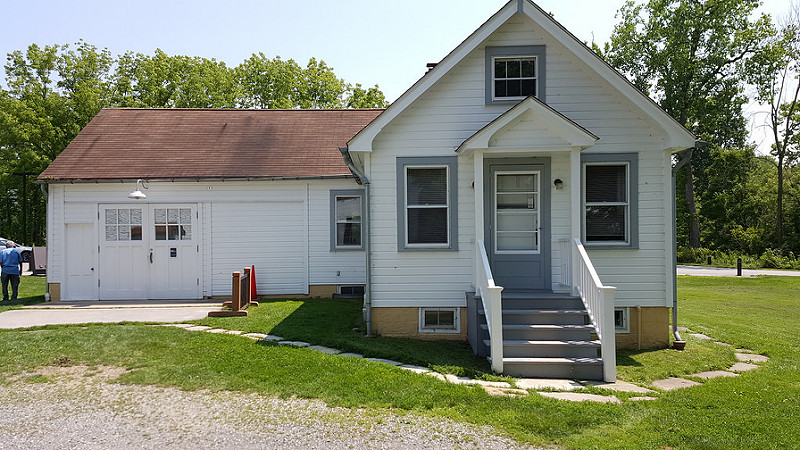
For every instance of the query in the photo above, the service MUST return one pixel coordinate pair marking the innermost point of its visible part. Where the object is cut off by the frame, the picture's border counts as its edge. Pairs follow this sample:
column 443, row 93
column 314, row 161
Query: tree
column 163, row 81
column 688, row 55
column 775, row 73
column 54, row 91
column 275, row 83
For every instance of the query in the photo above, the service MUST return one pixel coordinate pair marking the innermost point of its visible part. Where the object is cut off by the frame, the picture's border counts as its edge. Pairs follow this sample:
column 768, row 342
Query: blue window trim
column 451, row 163
column 346, row 193
column 537, row 51
column 632, row 161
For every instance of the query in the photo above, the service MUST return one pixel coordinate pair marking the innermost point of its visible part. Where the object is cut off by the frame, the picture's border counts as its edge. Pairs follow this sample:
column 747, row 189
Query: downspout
column 44, row 189
column 685, row 156
column 361, row 178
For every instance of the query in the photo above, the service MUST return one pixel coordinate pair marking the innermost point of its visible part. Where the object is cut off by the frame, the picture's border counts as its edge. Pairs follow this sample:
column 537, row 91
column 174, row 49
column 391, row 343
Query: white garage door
column 149, row 252
column 272, row 236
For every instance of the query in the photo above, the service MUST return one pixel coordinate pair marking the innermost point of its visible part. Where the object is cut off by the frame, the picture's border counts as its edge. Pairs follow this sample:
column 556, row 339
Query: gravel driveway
column 76, row 407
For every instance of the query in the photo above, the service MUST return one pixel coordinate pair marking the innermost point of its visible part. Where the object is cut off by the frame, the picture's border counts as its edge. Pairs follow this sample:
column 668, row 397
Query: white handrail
column 491, row 298
column 599, row 302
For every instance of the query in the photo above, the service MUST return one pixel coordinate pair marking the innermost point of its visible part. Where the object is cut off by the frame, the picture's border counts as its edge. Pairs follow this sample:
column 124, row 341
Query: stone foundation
column 404, row 322
column 649, row 328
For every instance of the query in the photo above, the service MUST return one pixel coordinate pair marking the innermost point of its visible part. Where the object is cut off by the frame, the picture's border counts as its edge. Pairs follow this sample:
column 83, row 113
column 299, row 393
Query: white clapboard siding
column 453, row 109
column 327, row 266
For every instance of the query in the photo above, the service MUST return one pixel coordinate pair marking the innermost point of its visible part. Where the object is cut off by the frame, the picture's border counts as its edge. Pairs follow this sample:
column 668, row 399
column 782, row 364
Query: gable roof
column 209, row 144
column 677, row 134
column 554, row 129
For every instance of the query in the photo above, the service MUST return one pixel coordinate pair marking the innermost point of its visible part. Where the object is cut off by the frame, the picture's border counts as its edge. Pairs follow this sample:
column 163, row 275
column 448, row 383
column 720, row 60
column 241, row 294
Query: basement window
column 439, row 320
column 621, row 320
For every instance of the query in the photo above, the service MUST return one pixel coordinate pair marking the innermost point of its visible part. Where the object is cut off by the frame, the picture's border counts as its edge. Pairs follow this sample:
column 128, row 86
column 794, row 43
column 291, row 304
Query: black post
column 24, row 176
column 738, row 267
column 709, row 260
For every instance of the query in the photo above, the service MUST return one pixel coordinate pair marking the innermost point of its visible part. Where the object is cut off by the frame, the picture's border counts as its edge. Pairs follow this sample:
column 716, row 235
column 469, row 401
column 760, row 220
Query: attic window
column 514, row 73
column 514, row 77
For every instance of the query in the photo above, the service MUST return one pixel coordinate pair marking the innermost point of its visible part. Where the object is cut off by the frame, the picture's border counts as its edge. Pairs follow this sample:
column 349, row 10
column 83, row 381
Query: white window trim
column 335, row 194
column 446, row 206
column 626, row 321
column 626, row 204
column 515, row 51
column 449, row 163
column 535, row 78
column 630, row 161
column 537, row 209
column 455, row 329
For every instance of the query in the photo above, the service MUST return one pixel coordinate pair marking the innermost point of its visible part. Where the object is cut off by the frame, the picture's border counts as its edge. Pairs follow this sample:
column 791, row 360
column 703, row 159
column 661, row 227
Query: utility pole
column 24, row 176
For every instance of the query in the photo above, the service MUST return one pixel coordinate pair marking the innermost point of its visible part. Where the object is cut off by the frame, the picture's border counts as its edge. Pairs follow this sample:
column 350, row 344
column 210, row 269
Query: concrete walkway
column 701, row 271
column 57, row 313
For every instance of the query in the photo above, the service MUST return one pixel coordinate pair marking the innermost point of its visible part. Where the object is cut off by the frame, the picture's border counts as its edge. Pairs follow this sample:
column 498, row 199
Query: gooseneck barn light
column 138, row 194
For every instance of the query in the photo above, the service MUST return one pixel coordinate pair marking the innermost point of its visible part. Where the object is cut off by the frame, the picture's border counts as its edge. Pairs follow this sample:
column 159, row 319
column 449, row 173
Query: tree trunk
column 694, row 223
column 779, row 222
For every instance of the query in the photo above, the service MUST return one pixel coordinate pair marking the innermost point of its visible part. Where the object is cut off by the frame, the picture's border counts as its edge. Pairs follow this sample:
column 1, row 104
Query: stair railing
column 491, row 298
column 599, row 302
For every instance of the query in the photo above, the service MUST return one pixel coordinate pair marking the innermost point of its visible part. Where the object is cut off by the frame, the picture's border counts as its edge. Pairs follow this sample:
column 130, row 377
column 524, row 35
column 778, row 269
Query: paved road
column 56, row 313
column 727, row 272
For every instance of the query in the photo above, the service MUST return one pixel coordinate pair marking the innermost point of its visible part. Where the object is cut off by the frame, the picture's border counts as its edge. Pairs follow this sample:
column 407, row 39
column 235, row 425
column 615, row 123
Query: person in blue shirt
column 12, row 268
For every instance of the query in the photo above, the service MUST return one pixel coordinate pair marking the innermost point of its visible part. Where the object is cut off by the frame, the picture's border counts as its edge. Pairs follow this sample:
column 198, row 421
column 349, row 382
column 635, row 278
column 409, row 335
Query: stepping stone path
column 670, row 384
column 524, row 386
column 745, row 364
column 576, row 397
column 715, row 374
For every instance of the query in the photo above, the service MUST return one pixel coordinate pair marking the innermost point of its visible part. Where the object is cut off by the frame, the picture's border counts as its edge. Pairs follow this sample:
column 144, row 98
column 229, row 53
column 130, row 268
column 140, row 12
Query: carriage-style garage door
column 149, row 252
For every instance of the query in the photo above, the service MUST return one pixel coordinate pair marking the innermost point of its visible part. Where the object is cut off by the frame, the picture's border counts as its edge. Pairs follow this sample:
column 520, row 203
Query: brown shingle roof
column 209, row 143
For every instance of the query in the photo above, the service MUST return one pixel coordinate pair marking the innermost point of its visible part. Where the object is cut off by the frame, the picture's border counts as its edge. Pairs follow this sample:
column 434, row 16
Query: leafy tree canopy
column 52, row 92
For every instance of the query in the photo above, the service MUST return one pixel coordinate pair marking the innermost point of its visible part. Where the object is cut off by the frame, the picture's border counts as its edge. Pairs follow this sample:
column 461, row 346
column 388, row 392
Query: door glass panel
column 516, row 212
column 111, row 232
column 517, row 241
column 173, row 215
column 161, row 232
column 172, row 224
column 160, row 215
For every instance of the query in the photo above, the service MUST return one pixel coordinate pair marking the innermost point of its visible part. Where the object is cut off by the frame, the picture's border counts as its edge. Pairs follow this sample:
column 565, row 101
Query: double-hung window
column 609, row 200
column 347, row 219
column 514, row 72
column 426, row 200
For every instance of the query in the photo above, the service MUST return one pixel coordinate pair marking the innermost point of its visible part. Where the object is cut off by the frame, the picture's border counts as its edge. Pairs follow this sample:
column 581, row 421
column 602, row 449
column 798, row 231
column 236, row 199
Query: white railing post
column 491, row 298
column 608, row 345
column 599, row 302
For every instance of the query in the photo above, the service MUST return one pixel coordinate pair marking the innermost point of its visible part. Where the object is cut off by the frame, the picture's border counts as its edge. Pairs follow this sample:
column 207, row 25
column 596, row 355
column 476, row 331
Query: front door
column 149, row 252
column 517, row 236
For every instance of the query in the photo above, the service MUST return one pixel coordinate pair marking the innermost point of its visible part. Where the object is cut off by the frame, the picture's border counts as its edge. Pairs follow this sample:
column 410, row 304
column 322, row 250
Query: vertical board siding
column 269, row 235
column 281, row 227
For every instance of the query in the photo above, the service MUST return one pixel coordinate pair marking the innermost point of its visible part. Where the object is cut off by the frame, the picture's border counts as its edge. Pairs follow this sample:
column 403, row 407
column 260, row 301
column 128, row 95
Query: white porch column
column 575, row 205
column 477, row 189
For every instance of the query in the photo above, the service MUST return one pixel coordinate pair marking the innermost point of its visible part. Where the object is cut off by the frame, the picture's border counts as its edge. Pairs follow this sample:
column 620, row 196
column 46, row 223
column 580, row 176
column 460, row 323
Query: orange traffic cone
column 253, row 292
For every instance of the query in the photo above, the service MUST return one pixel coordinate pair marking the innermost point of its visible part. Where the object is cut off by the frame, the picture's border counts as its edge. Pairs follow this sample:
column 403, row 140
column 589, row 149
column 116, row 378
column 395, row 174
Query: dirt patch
column 77, row 406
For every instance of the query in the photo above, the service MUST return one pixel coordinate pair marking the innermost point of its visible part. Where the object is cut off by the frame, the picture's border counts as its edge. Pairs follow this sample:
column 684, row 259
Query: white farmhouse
column 498, row 200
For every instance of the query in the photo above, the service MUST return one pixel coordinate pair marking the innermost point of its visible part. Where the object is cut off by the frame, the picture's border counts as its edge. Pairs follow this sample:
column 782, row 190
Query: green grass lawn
column 31, row 291
column 759, row 409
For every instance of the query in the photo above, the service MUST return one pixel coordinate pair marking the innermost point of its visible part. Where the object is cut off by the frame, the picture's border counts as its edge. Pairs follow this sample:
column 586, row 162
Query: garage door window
column 173, row 224
column 123, row 224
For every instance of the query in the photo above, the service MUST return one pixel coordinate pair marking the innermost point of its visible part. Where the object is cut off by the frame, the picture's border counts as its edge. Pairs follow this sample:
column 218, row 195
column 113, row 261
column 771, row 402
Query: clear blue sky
column 366, row 41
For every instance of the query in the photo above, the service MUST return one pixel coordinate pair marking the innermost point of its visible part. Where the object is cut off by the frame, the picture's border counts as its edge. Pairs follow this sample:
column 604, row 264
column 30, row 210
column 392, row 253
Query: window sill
column 598, row 246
